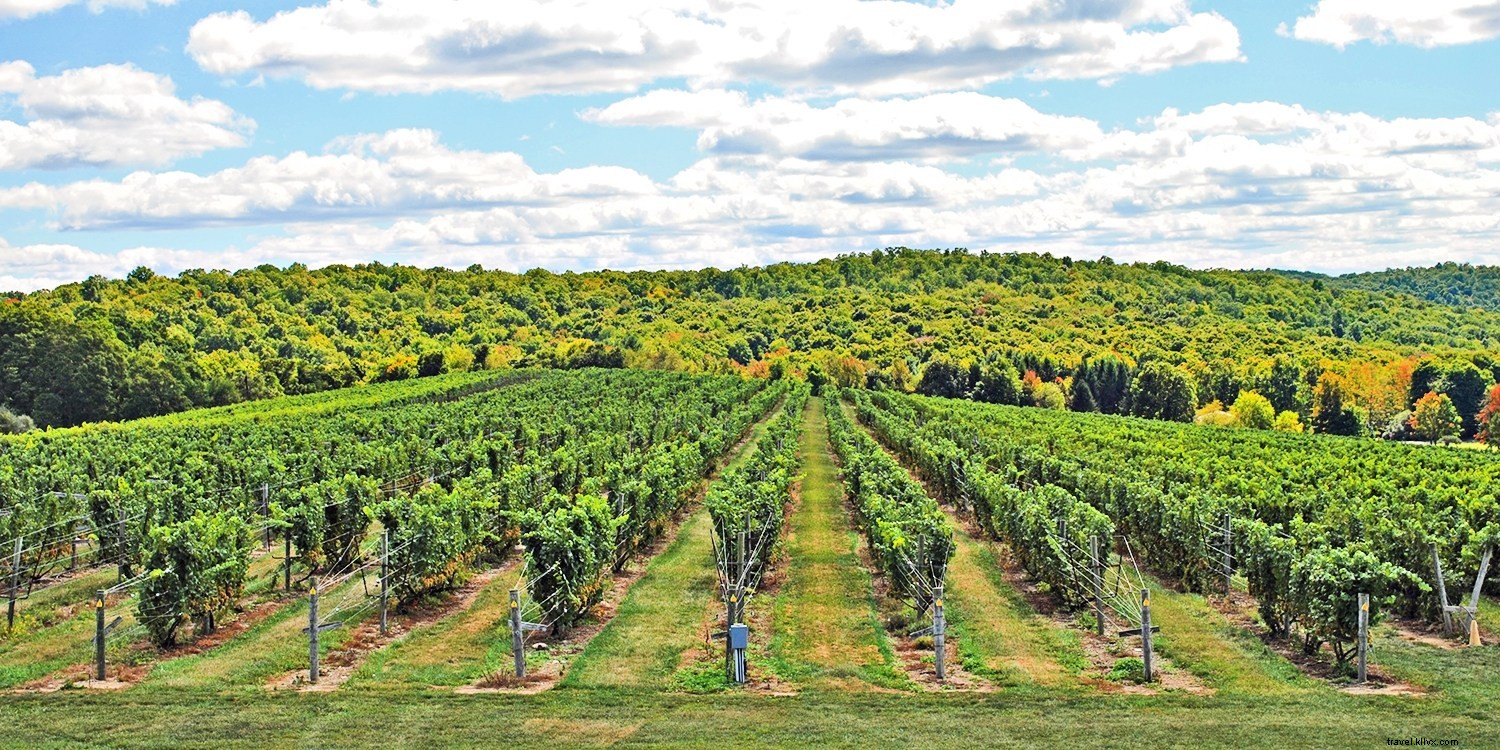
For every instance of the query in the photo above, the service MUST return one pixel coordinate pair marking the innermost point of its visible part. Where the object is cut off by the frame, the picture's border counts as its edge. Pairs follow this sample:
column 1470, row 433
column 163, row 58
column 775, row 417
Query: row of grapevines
column 1300, row 573
column 477, row 463
column 573, row 538
column 751, row 499
column 909, row 536
column 1044, row 524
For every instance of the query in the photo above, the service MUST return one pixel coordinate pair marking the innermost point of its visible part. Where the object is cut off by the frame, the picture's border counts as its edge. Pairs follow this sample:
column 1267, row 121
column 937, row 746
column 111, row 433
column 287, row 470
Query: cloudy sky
column 1335, row 135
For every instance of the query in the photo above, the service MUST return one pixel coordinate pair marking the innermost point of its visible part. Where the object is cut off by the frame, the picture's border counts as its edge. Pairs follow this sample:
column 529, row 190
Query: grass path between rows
column 1000, row 637
column 1200, row 639
column 456, row 650
column 826, row 629
column 271, row 647
column 68, row 638
column 659, row 619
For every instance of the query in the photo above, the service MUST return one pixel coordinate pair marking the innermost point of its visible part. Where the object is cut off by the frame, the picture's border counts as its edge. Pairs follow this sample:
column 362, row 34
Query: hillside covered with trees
column 1342, row 355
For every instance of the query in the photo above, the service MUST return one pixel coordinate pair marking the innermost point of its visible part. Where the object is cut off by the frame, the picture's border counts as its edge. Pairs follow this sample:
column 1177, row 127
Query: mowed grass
column 56, row 631
column 271, row 647
column 658, row 620
column 1198, row 638
column 1000, row 637
column 827, row 634
column 824, row 720
column 660, row 617
column 456, row 650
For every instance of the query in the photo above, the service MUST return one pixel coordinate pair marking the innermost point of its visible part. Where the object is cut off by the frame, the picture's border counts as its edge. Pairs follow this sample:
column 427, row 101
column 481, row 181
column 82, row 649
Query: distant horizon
column 687, row 269
column 1330, row 136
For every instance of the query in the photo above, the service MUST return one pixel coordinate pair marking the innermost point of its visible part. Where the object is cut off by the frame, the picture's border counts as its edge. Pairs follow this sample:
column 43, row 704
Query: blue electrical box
column 739, row 637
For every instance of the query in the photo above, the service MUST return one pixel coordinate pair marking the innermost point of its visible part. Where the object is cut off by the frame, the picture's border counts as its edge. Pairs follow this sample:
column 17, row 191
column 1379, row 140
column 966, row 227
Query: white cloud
column 110, row 115
column 952, row 125
column 394, row 172
column 29, row 8
column 1429, row 23
column 1247, row 184
column 527, row 47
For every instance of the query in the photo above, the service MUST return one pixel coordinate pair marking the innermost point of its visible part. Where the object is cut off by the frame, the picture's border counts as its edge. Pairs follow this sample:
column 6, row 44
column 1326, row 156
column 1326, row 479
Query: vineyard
column 573, row 544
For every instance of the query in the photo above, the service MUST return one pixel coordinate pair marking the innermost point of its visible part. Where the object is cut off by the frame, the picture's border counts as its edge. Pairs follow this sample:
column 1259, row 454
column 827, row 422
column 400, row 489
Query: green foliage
column 194, row 569
column 752, row 497
column 14, row 424
column 943, row 378
column 1333, row 407
column 1160, row 391
column 1325, row 584
column 570, row 542
column 904, row 526
column 433, row 535
column 1128, row 669
column 1168, row 487
column 106, row 349
column 1287, row 421
column 1254, row 411
column 326, row 520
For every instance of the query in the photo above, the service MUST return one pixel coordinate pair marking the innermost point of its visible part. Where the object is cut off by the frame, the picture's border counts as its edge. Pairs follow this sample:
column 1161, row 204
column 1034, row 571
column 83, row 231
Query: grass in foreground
column 659, row 619
column 826, row 627
column 601, row 718
column 1196, row 637
column 999, row 637
column 458, row 649
column 273, row 646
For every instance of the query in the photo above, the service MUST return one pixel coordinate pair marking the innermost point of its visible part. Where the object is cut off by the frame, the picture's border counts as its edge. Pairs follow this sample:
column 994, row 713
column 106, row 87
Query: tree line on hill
column 1346, row 355
column 1425, row 398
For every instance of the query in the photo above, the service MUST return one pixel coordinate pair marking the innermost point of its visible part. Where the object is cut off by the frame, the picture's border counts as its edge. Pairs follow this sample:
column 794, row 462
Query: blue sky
column 1337, row 135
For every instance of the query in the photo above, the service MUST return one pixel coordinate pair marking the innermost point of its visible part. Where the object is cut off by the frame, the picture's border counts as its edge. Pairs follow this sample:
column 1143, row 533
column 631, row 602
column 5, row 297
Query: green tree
column 998, row 383
column 943, row 378
column 1333, row 407
column 1283, row 385
column 1083, row 397
column 1161, row 391
column 1435, row 416
column 1287, row 421
column 1465, row 384
column 1254, row 411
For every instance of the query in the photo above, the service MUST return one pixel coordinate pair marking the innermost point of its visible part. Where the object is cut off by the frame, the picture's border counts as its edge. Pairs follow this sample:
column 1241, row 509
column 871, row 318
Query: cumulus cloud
column 527, row 47
column 110, row 115
column 29, row 8
column 1431, row 23
column 952, row 125
column 394, row 172
column 1241, row 184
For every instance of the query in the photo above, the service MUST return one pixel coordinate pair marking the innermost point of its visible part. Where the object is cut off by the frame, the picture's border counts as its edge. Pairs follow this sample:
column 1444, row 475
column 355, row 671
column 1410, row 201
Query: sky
column 1332, row 136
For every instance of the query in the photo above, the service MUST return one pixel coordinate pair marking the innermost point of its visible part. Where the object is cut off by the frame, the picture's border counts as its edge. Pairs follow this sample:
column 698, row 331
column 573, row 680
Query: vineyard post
column 1364, row 634
column 1228, row 555
column 287, row 558
column 517, row 640
column 729, row 622
column 312, row 630
column 1437, row 566
column 1473, row 610
column 265, row 509
column 1146, row 632
column 385, row 547
column 73, row 561
column 15, row 585
column 1096, row 568
column 99, row 635
column 938, row 623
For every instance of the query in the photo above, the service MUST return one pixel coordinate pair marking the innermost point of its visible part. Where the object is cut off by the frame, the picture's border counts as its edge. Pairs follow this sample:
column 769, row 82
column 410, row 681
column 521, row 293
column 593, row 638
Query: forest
column 1343, row 355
